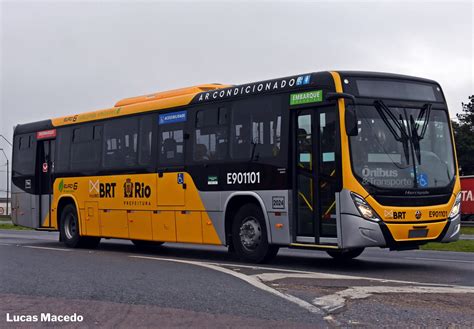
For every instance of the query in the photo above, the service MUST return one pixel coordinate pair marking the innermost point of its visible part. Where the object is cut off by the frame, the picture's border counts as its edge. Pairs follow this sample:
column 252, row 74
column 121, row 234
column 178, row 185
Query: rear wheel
column 69, row 230
column 249, row 235
column 345, row 254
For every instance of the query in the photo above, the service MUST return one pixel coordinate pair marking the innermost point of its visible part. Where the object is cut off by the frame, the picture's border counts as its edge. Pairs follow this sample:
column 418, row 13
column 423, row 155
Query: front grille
column 412, row 201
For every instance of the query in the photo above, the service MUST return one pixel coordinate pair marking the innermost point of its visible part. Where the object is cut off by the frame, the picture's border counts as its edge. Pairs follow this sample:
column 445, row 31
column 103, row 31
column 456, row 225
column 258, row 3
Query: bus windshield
column 408, row 148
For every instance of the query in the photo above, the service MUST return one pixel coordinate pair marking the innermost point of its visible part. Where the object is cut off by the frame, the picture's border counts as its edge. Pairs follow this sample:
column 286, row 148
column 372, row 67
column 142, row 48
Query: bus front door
column 315, row 175
column 45, row 170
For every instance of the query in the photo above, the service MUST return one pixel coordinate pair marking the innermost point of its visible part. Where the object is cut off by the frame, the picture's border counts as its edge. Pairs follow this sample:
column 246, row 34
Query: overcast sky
column 66, row 57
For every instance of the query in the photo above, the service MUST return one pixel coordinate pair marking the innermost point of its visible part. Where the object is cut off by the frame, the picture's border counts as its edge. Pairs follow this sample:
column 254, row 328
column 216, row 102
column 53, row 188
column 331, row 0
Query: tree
column 464, row 137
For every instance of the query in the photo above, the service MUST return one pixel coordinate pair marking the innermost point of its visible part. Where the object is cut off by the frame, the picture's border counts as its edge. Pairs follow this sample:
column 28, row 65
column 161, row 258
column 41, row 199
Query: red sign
column 46, row 134
column 467, row 200
column 45, row 167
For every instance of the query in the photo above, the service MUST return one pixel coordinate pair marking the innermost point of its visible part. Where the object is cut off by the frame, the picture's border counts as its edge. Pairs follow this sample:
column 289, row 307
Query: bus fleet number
column 243, row 178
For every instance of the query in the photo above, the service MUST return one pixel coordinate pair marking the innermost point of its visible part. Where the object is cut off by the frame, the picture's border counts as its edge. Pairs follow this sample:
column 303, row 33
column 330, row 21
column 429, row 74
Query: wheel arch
column 235, row 201
column 63, row 201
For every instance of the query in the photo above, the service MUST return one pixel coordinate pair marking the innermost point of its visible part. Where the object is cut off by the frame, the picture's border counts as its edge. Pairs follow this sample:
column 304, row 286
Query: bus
column 333, row 161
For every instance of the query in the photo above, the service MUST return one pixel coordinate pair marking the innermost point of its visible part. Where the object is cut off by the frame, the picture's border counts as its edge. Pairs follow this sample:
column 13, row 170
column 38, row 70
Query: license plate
column 420, row 233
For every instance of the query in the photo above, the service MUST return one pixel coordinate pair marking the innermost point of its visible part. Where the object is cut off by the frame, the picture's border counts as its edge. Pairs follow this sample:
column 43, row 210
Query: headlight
column 456, row 206
column 364, row 208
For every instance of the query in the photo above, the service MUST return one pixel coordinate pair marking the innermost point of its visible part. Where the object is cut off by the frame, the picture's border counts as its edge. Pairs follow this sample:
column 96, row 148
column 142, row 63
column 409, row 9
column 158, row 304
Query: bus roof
column 200, row 94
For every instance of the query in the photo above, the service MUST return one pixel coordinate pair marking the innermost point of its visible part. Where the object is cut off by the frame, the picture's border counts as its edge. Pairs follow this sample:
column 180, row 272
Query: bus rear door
column 44, row 173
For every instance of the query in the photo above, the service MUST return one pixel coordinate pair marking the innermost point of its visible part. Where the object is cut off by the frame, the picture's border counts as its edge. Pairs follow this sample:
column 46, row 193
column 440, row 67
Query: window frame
column 195, row 125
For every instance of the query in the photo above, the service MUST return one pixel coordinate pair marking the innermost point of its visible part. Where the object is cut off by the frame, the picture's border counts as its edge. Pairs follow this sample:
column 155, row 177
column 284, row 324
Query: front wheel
column 249, row 235
column 345, row 254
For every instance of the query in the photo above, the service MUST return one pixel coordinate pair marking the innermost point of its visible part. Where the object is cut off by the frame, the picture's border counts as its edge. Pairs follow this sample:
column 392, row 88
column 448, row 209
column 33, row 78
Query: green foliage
column 7, row 226
column 460, row 245
column 467, row 230
column 464, row 137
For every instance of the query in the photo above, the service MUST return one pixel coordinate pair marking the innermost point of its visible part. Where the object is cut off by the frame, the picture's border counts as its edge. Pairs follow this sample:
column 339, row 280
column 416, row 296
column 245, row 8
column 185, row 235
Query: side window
column 210, row 135
column 120, row 143
column 145, row 140
column 327, row 136
column 63, row 142
column 172, row 145
column 25, row 142
column 171, row 138
column 305, row 144
column 256, row 128
column 85, row 148
column 24, row 154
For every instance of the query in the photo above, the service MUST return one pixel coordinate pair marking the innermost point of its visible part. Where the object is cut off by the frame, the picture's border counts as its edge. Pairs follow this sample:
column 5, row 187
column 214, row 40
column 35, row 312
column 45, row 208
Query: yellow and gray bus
column 335, row 161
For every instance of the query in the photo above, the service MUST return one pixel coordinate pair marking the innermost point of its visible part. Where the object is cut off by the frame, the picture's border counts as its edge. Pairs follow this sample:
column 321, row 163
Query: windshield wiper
column 416, row 138
column 383, row 111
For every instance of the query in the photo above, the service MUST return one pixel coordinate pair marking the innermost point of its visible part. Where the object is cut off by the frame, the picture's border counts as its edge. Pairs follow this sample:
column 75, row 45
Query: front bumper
column 358, row 232
column 453, row 230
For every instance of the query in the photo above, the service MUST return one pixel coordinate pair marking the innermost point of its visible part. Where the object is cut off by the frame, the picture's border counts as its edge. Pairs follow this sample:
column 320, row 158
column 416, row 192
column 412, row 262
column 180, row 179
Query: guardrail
column 467, row 224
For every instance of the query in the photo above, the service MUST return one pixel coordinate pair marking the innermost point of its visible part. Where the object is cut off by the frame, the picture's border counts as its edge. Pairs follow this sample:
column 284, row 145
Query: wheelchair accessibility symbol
column 423, row 180
column 180, row 178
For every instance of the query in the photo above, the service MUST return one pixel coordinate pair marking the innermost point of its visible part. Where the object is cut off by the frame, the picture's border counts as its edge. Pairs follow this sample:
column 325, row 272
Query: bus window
column 145, row 140
column 210, row 139
column 327, row 138
column 305, row 145
column 85, row 148
column 24, row 156
column 171, row 144
column 256, row 128
column 120, row 143
column 63, row 144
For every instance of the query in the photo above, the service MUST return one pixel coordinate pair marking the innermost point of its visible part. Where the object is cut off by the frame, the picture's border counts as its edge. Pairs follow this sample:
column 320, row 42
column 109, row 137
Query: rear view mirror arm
column 330, row 96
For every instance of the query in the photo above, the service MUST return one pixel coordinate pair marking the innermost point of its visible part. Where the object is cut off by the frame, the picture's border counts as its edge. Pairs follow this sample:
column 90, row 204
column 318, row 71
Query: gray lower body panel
column 359, row 232
column 24, row 208
column 454, row 230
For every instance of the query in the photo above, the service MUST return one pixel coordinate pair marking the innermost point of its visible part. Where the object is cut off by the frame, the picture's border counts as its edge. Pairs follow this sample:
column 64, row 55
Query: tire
column 69, row 230
column 345, row 254
column 146, row 244
column 249, row 235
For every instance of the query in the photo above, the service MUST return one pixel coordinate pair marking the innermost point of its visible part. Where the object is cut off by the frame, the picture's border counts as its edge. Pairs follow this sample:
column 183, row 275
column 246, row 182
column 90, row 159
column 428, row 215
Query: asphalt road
column 201, row 286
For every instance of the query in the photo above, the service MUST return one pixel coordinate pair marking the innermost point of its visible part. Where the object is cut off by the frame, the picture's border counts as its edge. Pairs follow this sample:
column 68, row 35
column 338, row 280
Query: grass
column 6, row 226
column 467, row 230
column 460, row 245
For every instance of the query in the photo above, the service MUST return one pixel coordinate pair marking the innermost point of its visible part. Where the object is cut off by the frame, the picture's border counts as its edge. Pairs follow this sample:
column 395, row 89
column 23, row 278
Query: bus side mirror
column 350, row 120
column 350, row 115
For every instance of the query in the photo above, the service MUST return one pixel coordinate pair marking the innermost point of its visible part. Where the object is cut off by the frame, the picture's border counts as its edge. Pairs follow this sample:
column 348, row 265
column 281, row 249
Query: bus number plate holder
column 417, row 233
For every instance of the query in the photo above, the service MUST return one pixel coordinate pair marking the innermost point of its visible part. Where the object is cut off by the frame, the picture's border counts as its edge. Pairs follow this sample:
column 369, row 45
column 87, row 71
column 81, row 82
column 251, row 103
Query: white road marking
column 4, row 244
column 313, row 275
column 47, row 248
column 326, row 304
column 336, row 301
column 249, row 279
column 441, row 260
column 318, row 275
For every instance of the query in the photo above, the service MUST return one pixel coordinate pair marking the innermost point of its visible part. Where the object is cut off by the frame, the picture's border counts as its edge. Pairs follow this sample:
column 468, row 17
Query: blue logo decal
column 307, row 79
column 180, row 178
column 174, row 117
column 423, row 180
column 299, row 81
